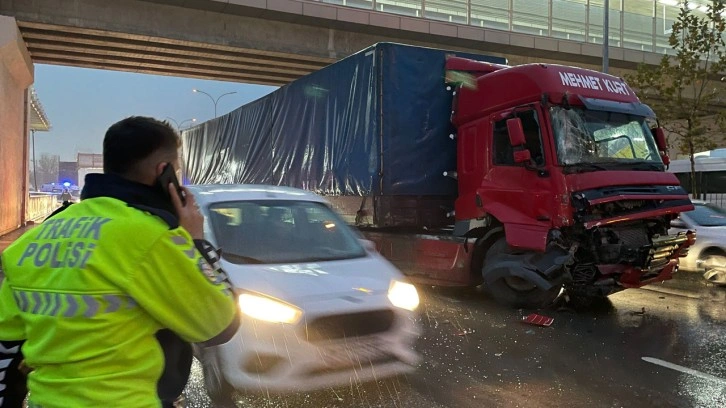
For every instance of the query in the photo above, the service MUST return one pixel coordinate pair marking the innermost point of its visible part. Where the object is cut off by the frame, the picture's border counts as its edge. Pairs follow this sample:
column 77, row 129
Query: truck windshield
column 281, row 231
column 600, row 140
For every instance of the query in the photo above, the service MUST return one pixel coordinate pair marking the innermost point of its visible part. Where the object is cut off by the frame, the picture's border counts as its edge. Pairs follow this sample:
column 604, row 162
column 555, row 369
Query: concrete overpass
column 257, row 41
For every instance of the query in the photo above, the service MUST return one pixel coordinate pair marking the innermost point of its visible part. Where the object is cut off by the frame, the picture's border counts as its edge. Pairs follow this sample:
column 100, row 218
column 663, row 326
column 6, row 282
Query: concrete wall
column 16, row 75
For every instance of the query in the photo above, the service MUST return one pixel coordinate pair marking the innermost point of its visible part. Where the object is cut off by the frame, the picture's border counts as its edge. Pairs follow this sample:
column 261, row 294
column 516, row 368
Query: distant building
column 68, row 172
column 90, row 160
column 711, row 153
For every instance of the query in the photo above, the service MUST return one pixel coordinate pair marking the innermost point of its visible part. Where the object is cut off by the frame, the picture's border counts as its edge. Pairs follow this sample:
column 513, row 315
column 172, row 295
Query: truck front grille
column 634, row 236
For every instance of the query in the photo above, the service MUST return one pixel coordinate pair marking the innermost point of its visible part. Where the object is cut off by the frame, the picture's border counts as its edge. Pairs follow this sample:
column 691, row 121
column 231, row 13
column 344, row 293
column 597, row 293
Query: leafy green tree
column 685, row 88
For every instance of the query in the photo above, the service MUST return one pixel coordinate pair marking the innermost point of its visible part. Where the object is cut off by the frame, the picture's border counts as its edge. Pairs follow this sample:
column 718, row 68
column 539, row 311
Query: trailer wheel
column 515, row 291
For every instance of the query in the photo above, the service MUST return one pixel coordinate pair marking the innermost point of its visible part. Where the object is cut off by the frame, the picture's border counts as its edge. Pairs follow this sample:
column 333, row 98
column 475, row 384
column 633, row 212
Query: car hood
column 709, row 232
column 310, row 281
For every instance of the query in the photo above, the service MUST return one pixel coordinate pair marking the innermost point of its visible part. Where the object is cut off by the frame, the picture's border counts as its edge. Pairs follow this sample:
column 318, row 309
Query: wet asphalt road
column 661, row 346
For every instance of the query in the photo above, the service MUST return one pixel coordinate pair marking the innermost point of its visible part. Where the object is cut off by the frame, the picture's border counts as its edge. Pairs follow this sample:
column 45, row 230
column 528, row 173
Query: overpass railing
column 643, row 25
column 40, row 205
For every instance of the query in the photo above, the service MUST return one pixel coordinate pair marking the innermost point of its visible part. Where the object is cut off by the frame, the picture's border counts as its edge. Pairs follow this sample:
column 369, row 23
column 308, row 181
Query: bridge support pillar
column 16, row 76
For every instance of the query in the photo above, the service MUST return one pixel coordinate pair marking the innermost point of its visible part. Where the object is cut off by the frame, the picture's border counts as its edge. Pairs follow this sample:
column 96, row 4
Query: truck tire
column 515, row 291
column 580, row 301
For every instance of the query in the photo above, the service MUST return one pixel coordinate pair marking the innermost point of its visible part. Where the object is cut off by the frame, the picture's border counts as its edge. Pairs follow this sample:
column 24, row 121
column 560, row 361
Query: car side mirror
column 369, row 245
column 678, row 223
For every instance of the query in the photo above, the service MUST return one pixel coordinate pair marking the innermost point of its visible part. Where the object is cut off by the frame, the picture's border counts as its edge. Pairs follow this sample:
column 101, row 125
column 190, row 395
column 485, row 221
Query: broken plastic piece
column 716, row 276
column 538, row 320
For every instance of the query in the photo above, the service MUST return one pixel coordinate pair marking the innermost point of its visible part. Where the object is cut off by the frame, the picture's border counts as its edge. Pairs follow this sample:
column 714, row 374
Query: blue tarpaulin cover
column 374, row 123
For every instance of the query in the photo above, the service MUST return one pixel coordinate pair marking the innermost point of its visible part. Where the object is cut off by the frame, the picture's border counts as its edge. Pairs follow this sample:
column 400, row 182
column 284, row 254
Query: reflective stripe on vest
column 70, row 305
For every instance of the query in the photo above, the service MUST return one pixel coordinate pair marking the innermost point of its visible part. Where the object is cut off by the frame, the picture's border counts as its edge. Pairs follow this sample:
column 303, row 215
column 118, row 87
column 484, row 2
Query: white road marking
column 684, row 369
column 674, row 292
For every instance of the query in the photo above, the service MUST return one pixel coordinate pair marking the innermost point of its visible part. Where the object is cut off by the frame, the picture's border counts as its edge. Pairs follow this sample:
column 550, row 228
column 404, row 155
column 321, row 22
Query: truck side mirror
column 660, row 141
column 517, row 140
column 522, row 156
column 516, row 133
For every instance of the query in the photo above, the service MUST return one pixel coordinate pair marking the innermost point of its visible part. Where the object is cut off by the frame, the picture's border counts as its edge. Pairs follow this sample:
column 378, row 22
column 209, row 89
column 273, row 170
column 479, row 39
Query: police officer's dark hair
column 133, row 139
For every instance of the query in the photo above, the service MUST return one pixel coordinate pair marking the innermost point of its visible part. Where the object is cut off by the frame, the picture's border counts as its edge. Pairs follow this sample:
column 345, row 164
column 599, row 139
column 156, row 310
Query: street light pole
column 213, row 100
column 178, row 124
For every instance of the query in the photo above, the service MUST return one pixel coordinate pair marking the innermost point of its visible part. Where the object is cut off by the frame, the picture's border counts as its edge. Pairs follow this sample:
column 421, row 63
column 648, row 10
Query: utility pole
column 606, row 37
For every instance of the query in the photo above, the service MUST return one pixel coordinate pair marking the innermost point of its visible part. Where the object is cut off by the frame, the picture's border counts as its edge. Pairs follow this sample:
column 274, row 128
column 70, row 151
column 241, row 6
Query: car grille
column 348, row 325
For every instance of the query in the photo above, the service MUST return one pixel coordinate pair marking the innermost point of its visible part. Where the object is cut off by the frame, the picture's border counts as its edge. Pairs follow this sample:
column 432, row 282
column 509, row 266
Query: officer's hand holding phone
column 190, row 217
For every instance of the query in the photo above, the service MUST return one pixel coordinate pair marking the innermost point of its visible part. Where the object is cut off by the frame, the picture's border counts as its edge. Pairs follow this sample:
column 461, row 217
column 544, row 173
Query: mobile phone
column 168, row 175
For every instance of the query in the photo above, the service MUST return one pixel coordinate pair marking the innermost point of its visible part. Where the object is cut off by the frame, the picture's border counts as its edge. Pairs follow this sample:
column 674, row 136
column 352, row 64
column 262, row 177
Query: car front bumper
column 282, row 358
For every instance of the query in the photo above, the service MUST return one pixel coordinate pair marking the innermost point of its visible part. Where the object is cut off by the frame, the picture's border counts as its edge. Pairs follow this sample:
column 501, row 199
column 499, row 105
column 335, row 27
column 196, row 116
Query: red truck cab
column 561, row 181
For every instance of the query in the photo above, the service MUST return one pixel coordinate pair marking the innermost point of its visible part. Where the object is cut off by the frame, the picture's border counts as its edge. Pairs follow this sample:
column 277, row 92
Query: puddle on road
column 390, row 393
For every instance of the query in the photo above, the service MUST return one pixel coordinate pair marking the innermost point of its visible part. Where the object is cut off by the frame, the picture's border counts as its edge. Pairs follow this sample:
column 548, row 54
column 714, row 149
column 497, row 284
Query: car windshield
column 282, row 231
column 707, row 215
column 602, row 139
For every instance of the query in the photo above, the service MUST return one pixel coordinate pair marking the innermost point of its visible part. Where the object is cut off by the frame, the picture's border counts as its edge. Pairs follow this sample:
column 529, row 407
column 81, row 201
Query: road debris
column 538, row 320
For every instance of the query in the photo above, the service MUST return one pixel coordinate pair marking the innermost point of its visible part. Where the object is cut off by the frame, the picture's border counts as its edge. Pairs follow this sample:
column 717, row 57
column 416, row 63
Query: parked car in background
column 320, row 307
column 709, row 251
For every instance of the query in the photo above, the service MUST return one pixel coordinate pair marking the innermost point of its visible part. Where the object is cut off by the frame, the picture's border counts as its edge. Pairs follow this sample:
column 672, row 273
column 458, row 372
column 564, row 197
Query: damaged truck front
column 573, row 192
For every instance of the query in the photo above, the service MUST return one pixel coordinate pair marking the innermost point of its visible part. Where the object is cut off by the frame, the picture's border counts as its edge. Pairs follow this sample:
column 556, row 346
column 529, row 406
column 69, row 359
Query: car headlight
column 403, row 295
column 268, row 309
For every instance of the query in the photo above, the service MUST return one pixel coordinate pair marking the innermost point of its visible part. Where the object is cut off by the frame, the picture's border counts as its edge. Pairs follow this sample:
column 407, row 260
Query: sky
column 82, row 103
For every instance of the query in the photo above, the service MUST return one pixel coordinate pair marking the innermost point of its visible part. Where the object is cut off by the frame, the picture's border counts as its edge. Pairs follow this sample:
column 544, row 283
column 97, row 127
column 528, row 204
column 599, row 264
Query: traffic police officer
column 89, row 289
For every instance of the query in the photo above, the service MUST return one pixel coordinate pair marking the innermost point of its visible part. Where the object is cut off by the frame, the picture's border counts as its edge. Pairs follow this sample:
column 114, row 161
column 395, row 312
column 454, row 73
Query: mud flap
column 546, row 270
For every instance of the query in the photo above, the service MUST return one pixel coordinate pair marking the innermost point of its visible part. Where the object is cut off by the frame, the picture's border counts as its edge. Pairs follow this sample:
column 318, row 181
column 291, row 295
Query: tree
column 47, row 168
column 684, row 88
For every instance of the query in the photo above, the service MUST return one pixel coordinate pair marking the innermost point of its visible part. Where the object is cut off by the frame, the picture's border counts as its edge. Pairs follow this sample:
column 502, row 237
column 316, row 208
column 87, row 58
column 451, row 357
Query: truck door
column 519, row 195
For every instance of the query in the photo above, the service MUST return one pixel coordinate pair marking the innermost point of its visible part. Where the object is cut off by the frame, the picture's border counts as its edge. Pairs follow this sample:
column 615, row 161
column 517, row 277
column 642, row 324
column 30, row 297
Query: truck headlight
column 403, row 295
column 268, row 309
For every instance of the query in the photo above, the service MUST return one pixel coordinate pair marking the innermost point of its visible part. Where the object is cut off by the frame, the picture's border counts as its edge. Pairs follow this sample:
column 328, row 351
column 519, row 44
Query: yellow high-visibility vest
column 90, row 287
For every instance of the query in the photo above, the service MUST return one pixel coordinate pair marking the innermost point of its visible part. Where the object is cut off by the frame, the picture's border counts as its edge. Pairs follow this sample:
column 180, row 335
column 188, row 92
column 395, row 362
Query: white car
column 320, row 307
column 708, row 254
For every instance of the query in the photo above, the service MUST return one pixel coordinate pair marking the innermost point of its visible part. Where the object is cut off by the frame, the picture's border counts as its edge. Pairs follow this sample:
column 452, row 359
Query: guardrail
column 642, row 25
column 40, row 205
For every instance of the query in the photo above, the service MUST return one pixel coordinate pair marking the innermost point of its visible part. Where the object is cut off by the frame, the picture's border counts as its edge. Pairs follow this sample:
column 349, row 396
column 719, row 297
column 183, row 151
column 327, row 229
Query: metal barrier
column 717, row 199
column 40, row 205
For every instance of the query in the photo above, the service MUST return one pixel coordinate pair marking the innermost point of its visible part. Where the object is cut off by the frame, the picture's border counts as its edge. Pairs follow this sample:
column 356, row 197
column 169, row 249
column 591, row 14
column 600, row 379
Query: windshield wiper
column 649, row 166
column 583, row 167
column 235, row 258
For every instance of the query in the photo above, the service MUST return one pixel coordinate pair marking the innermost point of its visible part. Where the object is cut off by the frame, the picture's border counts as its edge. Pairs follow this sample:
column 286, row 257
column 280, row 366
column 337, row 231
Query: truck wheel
column 580, row 301
column 218, row 389
column 515, row 291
